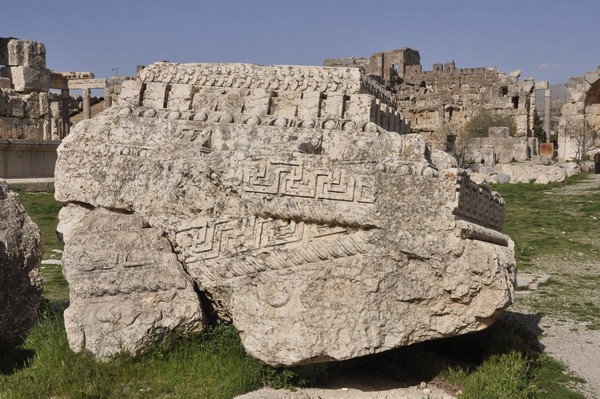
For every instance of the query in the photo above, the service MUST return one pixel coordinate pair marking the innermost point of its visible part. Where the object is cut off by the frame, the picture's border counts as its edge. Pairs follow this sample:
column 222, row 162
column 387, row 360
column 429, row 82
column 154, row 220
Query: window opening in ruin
column 503, row 91
column 450, row 110
column 515, row 102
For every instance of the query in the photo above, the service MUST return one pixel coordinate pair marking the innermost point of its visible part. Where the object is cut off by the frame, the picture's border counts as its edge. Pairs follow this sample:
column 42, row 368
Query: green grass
column 544, row 223
column 566, row 298
column 212, row 366
column 503, row 361
column 500, row 362
column 43, row 209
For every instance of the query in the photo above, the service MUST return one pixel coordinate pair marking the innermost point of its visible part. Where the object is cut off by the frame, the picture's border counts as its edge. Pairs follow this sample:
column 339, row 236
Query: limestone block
column 21, row 128
column 309, row 106
column 36, row 104
column 592, row 77
column 257, row 103
column 180, row 97
column 319, row 241
column 26, row 79
column 126, row 287
column 20, row 255
column 131, row 93
column 16, row 52
column 15, row 106
column 334, row 106
column 578, row 84
column 359, row 106
column 155, row 95
column 285, row 104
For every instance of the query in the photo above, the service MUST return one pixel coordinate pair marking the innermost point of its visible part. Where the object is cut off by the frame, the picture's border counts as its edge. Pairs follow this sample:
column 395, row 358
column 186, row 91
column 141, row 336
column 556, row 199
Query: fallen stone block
column 321, row 238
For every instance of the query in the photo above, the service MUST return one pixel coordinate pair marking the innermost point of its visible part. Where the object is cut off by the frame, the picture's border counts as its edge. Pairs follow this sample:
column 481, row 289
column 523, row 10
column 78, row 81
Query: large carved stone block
column 20, row 282
column 320, row 234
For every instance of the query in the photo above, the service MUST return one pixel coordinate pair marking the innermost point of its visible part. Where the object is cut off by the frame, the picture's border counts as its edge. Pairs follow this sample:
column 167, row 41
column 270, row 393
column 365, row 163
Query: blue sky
column 547, row 39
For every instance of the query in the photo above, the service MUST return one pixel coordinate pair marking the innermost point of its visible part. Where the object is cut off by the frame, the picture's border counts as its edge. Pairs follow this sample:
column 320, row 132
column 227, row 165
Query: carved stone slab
column 319, row 232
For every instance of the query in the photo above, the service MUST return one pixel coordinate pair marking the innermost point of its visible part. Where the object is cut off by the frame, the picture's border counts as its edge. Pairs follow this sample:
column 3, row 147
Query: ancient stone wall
column 441, row 101
column 24, row 83
column 580, row 113
column 501, row 148
column 287, row 198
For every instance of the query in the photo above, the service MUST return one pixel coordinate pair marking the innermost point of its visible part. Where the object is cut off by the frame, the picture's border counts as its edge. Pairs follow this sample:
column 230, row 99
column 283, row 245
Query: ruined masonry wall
column 24, row 83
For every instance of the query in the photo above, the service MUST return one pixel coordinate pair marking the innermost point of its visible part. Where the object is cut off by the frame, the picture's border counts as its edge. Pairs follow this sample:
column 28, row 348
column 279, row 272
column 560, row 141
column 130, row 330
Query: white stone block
column 26, row 79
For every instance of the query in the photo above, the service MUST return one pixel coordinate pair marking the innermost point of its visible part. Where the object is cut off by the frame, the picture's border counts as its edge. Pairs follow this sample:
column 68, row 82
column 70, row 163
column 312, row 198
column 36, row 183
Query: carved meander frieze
column 205, row 243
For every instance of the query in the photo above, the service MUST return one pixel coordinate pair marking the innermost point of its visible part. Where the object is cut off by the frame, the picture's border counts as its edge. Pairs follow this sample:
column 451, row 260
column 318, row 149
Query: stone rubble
column 285, row 196
column 524, row 172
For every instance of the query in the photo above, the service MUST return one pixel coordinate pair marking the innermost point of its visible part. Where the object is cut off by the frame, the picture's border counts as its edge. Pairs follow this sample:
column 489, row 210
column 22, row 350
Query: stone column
column 87, row 110
column 107, row 98
column 547, row 114
column 65, row 114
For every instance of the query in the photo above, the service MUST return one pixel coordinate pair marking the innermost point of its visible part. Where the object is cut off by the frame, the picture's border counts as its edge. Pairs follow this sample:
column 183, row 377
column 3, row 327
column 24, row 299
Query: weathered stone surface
column 18, row 52
column 20, row 255
column 319, row 233
column 27, row 79
column 21, row 128
column 126, row 286
column 441, row 101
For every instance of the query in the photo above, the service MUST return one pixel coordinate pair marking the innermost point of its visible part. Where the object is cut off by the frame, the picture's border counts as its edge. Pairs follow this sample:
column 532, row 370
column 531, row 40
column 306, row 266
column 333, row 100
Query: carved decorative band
column 478, row 204
column 293, row 178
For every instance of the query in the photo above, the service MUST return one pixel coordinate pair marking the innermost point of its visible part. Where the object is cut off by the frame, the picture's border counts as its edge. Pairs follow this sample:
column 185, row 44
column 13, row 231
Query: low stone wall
column 27, row 158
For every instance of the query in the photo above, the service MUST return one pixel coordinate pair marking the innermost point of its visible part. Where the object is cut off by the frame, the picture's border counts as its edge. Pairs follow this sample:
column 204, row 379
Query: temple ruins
column 291, row 200
column 580, row 116
column 33, row 119
column 439, row 103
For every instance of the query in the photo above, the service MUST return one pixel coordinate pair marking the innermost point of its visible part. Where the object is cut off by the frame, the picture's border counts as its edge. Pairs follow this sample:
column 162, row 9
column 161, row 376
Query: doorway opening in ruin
column 515, row 102
column 592, row 106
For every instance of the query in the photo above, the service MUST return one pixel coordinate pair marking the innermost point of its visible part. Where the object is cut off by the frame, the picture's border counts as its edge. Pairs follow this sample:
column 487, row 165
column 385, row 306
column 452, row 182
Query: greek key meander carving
column 479, row 204
column 205, row 239
column 293, row 178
